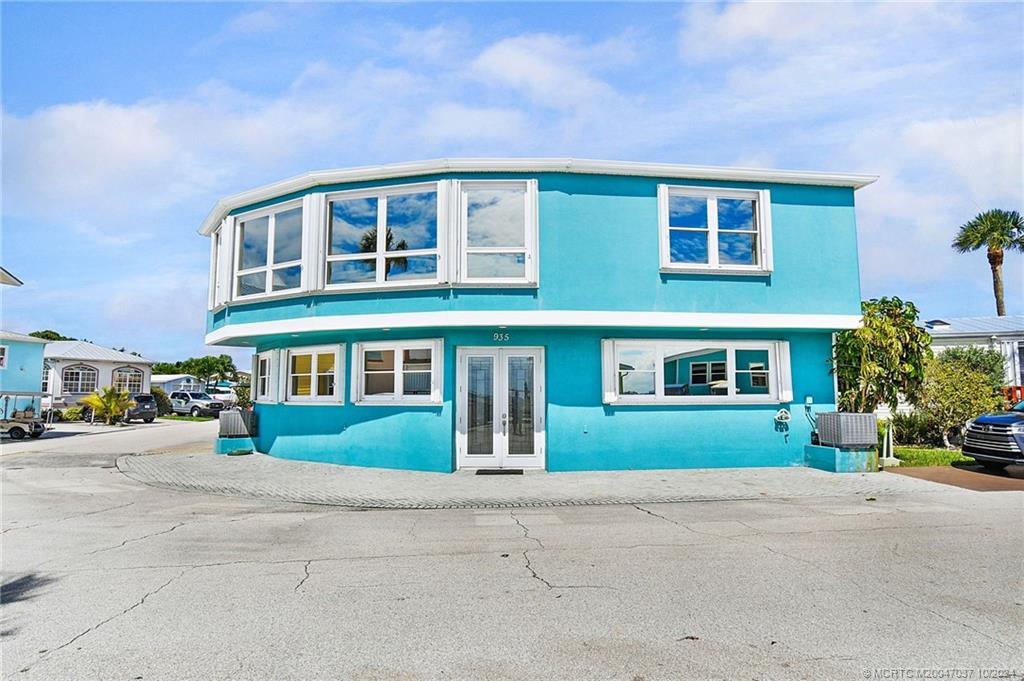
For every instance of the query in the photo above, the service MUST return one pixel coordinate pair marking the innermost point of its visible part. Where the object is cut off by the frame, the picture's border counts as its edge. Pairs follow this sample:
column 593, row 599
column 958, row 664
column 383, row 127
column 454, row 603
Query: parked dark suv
column 145, row 408
column 996, row 440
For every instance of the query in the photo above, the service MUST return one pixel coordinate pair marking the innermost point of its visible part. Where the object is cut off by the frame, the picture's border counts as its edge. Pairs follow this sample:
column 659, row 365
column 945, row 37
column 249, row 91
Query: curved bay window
column 79, row 379
column 128, row 379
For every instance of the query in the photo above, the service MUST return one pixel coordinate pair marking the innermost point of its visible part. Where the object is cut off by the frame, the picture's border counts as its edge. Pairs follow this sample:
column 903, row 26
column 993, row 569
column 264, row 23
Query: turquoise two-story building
column 557, row 314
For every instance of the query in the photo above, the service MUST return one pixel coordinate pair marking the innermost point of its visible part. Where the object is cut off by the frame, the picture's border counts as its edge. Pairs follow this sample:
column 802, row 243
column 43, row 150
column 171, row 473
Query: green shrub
column 163, row 402
column 244, row 401
column 71, row 414
column 915, row 429
column 953, row 393
column 983, row 360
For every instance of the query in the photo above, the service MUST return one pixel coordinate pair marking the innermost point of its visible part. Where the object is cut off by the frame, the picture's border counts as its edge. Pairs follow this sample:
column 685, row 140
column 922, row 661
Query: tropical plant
column 163, row 402
column 997, row 231
column 984, row 360
column 882, row 360
column 71, row 414
column 954, row 392
column 242, row 392
column 915, row 428
column 108, row 403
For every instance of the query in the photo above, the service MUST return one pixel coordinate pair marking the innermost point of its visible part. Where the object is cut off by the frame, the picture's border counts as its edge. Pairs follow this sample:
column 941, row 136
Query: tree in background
column 109, row 403
column 163, row 402
column 207, row 369
column 997, row 231
column 51, row 335
column 986, row 361
column 953, row 392
column 882, row 360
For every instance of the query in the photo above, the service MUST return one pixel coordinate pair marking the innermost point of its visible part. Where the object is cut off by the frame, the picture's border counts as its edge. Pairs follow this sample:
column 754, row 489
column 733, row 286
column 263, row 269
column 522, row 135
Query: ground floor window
column 407, row 372
column 701, row 372
column 79, row 379
column 261, row 376
column 314, row 374
column 128, row 379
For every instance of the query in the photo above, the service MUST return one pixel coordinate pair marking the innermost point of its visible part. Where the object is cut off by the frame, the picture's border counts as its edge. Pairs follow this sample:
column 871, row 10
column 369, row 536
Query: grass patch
column 180, row 417
column 929, row 456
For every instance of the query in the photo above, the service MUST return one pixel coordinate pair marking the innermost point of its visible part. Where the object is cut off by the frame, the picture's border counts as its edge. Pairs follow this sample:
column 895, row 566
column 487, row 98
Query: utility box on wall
column 847, row 431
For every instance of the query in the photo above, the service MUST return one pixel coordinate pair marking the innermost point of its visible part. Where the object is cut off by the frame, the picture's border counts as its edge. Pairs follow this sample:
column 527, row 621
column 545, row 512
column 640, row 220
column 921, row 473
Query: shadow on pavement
column 23, row 588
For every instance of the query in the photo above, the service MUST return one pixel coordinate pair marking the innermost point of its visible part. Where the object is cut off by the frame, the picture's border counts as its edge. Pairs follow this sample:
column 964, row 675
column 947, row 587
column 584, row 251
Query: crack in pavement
column 70, row 517
column 96, row 626
column 525, row 529
column 135, row 539
column 305, row 576
column 657, row 515
column 534, row 574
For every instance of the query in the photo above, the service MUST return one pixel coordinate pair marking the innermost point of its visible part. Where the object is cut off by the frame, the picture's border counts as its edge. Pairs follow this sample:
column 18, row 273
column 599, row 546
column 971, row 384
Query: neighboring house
column 1005, row 334
column 74, row 369
column 21, row 371
column 557, row 314
column 173, row 382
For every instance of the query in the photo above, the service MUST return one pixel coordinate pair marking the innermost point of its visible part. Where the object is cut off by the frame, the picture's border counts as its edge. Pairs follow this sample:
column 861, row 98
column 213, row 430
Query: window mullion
column 382, row 237
column 713, row 231
column 659, row 371
column 399, row 373
column 730, row 370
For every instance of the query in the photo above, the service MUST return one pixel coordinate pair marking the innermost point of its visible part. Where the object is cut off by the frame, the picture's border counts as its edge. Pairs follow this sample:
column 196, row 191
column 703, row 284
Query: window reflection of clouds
column 687, row 211
column 736, row 249
column 351, row 219
column 288, row 235
column 496, row 265
column 689, row 247
column 636, row 358
column 249, row 284
column 414, row 267
column 351, row 271
column 496, row 217
column 254, row 242
column 413, row 218
column 286, row 277
column 735, row 214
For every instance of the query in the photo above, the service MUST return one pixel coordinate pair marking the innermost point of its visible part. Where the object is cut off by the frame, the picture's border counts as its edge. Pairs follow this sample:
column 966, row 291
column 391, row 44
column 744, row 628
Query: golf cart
column 17, row 422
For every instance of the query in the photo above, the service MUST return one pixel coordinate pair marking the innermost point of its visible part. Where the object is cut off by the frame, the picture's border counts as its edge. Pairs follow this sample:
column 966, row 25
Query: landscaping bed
column 914, row 457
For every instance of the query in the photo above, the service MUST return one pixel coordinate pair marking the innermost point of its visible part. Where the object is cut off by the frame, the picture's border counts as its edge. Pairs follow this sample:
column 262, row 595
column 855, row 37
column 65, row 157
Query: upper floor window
column 689, row 371
column 714, row 229
column 498, row 232
column 128, row 379
column 269, row 251
column 384, row 237
column 79, row 379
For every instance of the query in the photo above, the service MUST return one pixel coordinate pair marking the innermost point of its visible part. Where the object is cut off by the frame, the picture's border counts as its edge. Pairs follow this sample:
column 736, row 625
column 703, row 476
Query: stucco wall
column 582, row 433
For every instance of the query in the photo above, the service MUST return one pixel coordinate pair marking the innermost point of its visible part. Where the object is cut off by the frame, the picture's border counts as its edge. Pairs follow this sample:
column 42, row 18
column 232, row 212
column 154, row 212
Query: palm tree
column 109, row 404
column 997, row 231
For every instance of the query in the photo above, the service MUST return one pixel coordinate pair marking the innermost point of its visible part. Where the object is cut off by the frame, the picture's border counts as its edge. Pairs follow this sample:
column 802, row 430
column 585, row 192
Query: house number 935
column 500, row 336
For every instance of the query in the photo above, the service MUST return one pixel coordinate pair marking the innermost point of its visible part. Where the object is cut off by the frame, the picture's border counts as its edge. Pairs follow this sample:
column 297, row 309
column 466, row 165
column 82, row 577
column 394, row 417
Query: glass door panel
column 480, row 406
column 520, row 396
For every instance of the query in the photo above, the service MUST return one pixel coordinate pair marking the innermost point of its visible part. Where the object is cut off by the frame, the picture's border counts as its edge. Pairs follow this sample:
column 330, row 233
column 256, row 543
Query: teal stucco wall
column 24, row 371
column 582, row 432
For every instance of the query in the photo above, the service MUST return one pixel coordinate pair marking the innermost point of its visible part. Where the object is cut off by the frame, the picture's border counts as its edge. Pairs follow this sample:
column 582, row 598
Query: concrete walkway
column 264, row 477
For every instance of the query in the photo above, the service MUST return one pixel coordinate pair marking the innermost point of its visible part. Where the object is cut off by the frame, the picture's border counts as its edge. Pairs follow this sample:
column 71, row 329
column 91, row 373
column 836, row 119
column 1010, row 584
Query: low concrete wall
column 233, row 445
column 838, row 460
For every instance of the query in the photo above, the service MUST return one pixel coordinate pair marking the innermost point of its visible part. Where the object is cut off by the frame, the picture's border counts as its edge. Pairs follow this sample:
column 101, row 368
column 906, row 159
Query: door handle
column 504, row 423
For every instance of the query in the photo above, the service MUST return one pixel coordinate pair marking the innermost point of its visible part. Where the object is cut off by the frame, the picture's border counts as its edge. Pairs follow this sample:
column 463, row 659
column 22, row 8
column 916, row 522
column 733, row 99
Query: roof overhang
column 246, row 333
column 524, row 165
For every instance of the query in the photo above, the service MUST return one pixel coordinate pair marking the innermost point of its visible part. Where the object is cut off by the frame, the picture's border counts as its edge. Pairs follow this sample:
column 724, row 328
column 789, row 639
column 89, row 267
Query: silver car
column 195, row 404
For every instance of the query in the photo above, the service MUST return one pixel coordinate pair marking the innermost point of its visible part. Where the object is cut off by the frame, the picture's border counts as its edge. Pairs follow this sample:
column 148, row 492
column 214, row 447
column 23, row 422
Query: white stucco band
column 535, row 318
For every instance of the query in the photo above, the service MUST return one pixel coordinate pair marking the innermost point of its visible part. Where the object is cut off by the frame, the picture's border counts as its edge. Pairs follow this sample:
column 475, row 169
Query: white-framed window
column 497, row 228
column 404, row 372
column 314, row 374
column 3, row 356
column 262, row 376
column 127, row 379
column 47, row 367
column 649, row 371
column 268, row 250
column 79, row 378
column 714, row 229
column 386, row 237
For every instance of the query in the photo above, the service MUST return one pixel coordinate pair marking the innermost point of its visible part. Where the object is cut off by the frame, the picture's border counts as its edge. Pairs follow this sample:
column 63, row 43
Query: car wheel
column 148, row 420
column 994, row 465
column 195, row 412
column 16, row 433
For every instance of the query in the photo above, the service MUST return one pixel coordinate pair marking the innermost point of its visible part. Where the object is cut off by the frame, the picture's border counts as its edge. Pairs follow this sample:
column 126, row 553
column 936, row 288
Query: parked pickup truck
column 996, row 440
column 195, row 404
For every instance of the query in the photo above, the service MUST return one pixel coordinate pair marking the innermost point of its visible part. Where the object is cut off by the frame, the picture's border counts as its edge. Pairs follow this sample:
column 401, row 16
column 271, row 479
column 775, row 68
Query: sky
column 124, row 123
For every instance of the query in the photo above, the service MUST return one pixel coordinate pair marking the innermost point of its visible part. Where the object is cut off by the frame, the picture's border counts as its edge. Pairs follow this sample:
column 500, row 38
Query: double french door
column 500, row 412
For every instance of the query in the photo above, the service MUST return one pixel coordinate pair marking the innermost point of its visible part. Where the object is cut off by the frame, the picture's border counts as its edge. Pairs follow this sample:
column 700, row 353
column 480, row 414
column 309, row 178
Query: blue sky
column 123, row 123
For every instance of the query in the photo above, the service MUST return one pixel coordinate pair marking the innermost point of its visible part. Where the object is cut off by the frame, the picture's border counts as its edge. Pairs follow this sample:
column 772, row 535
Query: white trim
column 538, row 318
column 269, row 266
column 436, row 397
column 779, row 371
column 525, row 165
column 762, row 231
column 338, row 396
